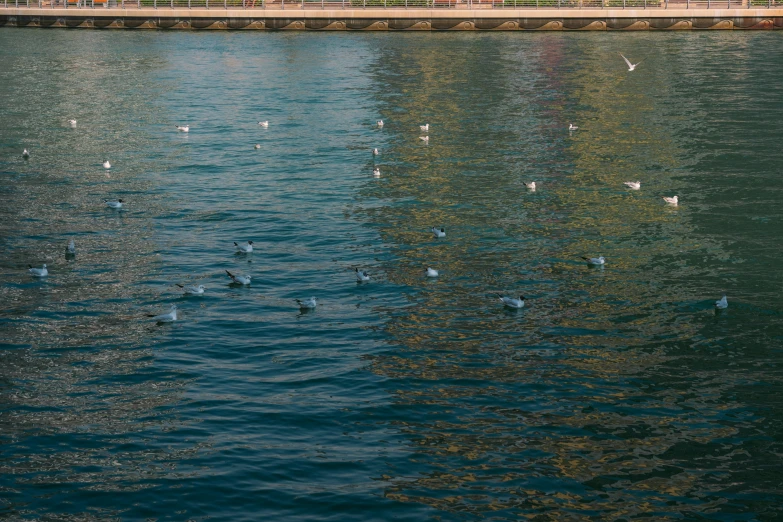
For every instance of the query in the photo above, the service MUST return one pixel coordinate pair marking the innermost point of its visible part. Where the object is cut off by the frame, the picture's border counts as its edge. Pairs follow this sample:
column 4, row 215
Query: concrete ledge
column 379, row 19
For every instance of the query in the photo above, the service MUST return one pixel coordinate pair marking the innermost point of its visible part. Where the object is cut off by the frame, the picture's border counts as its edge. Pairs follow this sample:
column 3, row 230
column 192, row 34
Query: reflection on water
column 617, row 392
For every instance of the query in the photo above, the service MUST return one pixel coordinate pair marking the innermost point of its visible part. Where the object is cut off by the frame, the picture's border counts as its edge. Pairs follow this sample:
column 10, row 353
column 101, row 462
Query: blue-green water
column 617, row 393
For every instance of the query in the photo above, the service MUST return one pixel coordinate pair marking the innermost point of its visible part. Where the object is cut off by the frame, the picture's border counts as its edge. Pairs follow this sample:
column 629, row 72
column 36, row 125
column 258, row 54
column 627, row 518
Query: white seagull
column 531, row 185
column 106, row 164
column 376, row 172
column 264, row 124
column 431, row 272
column 722, row 303
column 673, row 201
column 71, row 248
column 257, row 146
column 375, row 152
column 25, row 154
column 425, row 127
column 240, row 280
column 245, row 248
column 425, row 139
column 183, row 128
column 595, row 260
column 512, row 302
column 194, row 290
column 361, row 275
column 635, row 185
column 38, row 272
column 572, row 127
column 113, row 203
column 438, row 233
column 169, row 317
column 72, row 123
column 631, row 66
column 379, row 123
column 307, row 304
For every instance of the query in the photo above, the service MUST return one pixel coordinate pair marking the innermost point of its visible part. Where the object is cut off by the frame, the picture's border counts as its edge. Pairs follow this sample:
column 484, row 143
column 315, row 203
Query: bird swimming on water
column 673, row 201
column 72, row 123
column 376, row 172
column 425, row 139
column 25, row 154
column 106, row 164
column 240, row 279
column 168, row 317
column 531, row 185
column 597, row 261
column 379, row 123
column 245, row 248
column 113, row 203
column 38, row 272
column 264, row 124
column 361, row 275
column 193, row 290
column 438, row 233
column 512, row 302
column 425, row 127
column 635, row 185
column 183, row 128
column 572, row 127
column 307, row 304
column 431, row 272
column 71, row 248
column 719, row 304
column 375, row 152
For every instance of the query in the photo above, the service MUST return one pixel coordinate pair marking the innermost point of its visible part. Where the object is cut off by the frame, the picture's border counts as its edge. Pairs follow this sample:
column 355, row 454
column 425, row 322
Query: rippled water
column 617, row 393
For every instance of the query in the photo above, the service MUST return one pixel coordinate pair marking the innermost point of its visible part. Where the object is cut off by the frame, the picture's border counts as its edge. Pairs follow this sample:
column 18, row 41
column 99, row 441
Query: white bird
column 635, row 185
column 307, row 304
column 531, row 185
column 376, row 172
column 572, row 127
column 257, row 146
column 361, row 275
column 38, row 272
column 113, row 203
column 106, row 164
column 425, row 139
column 72, row 123
column 720, row 303
column 375, row 152
column 240, row 280
column 431, row 272
column 631, row 66
column 25, row 154
column 512, row 302
column 674, row 200
column 264, row 124
column 379, row 123
column 425, row 127
column 438, row 233
column 183, row 128
column 71, row 248
column 194, row 290
column 595, row 260
column 169, row 317
column 245, row 248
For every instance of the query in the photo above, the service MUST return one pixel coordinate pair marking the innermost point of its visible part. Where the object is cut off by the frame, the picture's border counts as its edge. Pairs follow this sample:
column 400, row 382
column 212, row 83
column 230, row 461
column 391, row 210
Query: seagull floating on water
column 264, row 123
column 113, row 203
column 512, row 302
column 531, row 185
column 106, row 164
column 25, row 154
column 431, row 272
column 425, row 127
column 438, row 233
column 631, row 66
column 72, row 123
column 361, row 275
column 379, row 123
column 240, row 280
column 257, row 146
column 376, row 172
column 245, row 248
column 71, row 248
column 572, row 127
column 425, row 139
column 183, row 128
column 673, row 201
column 719, row 304
column 194, row 290
column 38, row 272
column 169, row 317
column 307, row 304
column 375, row 152
column 598, row 261
column 635, row 185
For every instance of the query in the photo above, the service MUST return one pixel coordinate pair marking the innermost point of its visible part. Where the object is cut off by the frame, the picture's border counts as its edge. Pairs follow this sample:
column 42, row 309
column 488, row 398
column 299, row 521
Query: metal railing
column 404, row 4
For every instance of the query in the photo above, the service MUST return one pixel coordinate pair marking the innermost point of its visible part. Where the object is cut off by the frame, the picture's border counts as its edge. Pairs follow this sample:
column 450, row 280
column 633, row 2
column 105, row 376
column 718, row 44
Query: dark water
column 617, row 393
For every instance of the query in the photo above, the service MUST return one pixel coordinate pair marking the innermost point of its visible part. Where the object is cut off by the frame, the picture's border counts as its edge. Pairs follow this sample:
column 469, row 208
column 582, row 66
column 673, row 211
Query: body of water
column 616, row 393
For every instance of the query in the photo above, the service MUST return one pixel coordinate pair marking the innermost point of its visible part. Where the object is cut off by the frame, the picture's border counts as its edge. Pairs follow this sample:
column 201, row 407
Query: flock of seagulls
column 361, row 275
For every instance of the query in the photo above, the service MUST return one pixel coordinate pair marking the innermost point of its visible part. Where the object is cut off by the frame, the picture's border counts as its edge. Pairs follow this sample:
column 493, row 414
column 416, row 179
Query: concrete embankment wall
column 394, row 19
